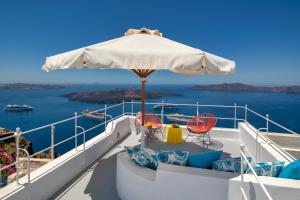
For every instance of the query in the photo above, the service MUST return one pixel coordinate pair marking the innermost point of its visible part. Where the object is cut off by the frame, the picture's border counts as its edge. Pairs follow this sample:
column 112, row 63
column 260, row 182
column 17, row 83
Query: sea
column 50, row 106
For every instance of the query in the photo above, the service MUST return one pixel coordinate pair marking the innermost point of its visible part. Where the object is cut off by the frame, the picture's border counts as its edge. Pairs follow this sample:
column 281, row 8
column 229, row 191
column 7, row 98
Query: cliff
column 240, row 87
column 9, row 145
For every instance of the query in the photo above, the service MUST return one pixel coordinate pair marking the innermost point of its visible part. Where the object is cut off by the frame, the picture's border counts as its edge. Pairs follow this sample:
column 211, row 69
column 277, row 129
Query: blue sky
column 261, row 36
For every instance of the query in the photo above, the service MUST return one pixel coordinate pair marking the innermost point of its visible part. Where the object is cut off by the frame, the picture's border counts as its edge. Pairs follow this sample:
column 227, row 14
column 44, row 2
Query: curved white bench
column 169, row 182
column 179, row 182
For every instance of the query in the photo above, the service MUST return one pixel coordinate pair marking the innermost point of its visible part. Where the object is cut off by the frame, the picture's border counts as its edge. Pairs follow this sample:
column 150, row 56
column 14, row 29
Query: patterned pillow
column 267, row 168
column 173, row 157
column 230, row 165
column 131, row 150
column 142, row 158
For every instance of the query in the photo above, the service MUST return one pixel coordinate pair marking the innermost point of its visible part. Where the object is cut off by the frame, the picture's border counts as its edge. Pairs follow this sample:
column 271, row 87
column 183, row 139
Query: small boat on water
column 98, row 115
column 16, row 108
column 166, row 107
column 178, row 118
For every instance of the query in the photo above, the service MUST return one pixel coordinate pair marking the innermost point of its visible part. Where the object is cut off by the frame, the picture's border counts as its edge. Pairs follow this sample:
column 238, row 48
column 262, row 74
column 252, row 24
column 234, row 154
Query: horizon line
column 46, row 83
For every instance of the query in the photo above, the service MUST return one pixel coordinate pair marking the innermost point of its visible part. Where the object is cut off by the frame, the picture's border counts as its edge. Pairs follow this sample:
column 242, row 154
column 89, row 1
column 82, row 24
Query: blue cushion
column 291, row 171
column 230, row 165
column 204, row 160
column 142, row 158
column 267, row 168
column 173, row 157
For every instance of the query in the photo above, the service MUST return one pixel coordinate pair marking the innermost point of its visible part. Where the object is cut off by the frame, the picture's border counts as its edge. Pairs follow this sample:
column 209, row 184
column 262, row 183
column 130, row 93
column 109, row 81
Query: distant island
column 240, row 87
column 31, row 86
column 114, row 96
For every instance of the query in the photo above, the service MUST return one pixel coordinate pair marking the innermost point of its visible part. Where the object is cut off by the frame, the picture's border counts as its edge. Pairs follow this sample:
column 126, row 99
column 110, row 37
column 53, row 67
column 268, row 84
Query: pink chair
column 151, row 118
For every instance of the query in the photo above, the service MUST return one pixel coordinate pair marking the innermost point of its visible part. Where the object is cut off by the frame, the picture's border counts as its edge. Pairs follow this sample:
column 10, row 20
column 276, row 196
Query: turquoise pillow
column 131, row 150
column 204, row 160
column 230, row 165
column 291, row 171
column 173, row 157
column 142, row 158
column 267, row 168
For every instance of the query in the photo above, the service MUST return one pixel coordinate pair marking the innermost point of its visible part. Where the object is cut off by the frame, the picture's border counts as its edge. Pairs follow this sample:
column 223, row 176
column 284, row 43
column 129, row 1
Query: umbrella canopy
column 142, row 49
column 143, row 52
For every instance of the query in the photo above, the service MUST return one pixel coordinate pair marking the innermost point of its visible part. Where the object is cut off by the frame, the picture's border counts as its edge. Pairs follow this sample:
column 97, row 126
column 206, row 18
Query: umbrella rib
column 149, row 72
column 145, row 71
column 136, row 72
column 142, row 73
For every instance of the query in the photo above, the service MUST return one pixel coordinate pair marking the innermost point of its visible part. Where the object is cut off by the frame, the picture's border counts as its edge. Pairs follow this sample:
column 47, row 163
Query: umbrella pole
column 143, row 114
column 143, row 101
column 143, row 73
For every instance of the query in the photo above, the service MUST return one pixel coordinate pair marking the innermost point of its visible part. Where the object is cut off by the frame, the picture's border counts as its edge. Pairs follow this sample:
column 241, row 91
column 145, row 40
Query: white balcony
column 98, row 169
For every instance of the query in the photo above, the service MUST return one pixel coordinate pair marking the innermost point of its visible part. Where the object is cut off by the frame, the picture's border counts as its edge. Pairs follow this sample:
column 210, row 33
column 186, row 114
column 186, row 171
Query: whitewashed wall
column 261, row 149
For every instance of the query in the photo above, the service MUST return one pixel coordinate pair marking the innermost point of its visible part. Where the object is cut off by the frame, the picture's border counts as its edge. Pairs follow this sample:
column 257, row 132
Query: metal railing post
column 131, row 107
column 28, row 167
column 246, row 112
column 162, row 112
column 83, row 132
column 242, row 170
column 123, row 107
column 17, row 134
column 245, row 160
column 235, row 116
column 197, row 108
column 267, row 125
column 84, row 140
column 75, row 132
column 105, row 112
column 257, row 152
column 52, row 142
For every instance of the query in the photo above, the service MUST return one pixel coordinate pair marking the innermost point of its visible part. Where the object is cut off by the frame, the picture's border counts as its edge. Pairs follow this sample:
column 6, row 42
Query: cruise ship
column 16, row 108
column 165, row 107
column 93, row 115
column 101, row 168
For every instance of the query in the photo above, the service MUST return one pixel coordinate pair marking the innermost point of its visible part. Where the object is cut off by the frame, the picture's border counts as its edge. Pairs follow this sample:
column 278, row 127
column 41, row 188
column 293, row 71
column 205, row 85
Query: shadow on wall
column 105, row 170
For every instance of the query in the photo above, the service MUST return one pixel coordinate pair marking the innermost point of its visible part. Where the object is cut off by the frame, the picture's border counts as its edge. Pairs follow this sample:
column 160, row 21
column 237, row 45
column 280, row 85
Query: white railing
column 197, row 105
column 234, row 118
column 122, row 105
column 51, row 148
column 242, row 188
column 265, row 130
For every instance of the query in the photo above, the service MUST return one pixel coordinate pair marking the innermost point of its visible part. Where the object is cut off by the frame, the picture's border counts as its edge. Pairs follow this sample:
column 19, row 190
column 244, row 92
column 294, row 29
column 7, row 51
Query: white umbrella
column 143, row 52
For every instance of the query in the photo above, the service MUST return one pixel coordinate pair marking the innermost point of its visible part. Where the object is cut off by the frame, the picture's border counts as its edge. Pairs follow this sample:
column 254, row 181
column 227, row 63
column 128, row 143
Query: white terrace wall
column 278, row 188
column 260, row 148
column 52, row 177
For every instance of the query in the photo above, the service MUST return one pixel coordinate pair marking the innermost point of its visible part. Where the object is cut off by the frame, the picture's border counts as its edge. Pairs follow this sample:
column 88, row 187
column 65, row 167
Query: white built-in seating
column 181, row 182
